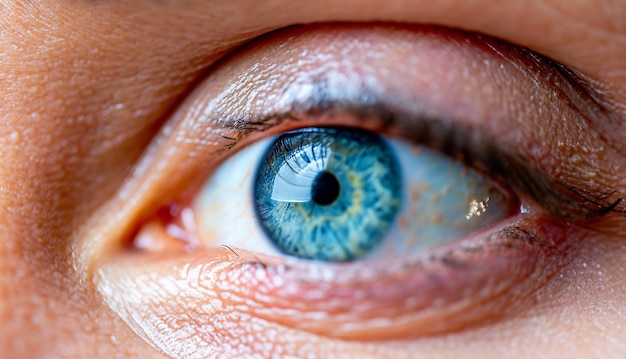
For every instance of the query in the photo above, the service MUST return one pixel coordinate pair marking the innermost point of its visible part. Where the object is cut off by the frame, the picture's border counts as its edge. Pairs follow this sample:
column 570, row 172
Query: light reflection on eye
column 336, row 194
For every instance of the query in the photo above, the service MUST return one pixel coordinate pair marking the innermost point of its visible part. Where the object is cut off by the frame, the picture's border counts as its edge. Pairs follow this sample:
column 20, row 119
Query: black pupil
column 325, row 188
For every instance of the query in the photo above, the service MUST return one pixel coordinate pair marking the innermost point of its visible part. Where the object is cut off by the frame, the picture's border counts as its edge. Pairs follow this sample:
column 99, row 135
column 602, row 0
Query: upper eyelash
column 602, row 201
column 467, row 144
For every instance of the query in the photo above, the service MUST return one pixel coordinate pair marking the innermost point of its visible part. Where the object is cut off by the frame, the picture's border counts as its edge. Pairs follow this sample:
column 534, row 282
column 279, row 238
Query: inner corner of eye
column 171, row 230
column 339, row 194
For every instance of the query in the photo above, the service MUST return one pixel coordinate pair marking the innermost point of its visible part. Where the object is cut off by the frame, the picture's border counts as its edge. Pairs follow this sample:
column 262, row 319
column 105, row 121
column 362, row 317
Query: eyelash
column 466, row 144
column 469, row 145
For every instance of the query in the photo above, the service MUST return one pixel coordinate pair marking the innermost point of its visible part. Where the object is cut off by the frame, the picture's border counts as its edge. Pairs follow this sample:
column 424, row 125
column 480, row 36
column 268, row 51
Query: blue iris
column 328, row 193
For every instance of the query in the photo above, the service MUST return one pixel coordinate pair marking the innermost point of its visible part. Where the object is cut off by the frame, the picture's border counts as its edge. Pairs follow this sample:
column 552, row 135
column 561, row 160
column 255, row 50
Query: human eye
column 503, row 117
column 341, row 194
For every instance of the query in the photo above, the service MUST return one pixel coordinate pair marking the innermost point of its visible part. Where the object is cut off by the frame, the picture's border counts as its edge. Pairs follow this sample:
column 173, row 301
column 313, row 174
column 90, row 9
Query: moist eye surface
column 336, row 194
column 328, row 194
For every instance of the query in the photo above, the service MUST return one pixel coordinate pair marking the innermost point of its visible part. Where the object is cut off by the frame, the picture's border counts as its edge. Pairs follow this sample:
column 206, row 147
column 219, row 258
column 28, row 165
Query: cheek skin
column 71, row 132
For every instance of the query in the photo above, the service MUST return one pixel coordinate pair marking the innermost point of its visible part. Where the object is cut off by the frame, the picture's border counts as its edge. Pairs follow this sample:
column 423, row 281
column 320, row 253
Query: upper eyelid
column 529, row 64
column 568, row 201
column 579, row 97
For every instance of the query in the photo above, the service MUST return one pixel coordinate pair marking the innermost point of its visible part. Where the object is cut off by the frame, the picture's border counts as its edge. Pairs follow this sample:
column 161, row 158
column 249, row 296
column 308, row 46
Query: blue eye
column 339, row 194
column 328, row 194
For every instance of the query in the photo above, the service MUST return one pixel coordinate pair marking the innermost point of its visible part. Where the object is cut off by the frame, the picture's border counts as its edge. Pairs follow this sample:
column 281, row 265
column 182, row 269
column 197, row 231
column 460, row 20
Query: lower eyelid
column 442, row 291
column 469, row 284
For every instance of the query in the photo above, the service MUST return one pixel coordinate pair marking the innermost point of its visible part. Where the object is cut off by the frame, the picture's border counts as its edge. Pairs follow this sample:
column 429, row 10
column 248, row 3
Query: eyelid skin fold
column 425, row 294
column 314, row 90
column 312, row 95
column 406, row 81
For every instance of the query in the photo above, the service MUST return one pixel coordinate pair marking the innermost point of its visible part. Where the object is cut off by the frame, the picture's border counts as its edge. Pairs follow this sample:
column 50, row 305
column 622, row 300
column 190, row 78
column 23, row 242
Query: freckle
column 403, row 223
column 418, row 189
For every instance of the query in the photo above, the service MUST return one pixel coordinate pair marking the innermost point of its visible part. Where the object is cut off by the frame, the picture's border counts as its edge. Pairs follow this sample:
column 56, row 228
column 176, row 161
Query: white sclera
column 443, row 201
column 224, row 207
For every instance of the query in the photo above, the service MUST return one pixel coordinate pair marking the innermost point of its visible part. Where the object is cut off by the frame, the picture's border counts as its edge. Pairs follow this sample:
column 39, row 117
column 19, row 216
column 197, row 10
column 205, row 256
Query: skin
column 87, row 87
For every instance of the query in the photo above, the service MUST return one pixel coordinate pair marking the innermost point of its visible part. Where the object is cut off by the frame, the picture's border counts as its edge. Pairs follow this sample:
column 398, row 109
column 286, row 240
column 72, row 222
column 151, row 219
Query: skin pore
column 95, row 93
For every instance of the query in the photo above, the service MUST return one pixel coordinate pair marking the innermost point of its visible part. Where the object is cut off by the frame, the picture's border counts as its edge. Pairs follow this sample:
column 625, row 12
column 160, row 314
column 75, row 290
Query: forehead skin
column 84, row 85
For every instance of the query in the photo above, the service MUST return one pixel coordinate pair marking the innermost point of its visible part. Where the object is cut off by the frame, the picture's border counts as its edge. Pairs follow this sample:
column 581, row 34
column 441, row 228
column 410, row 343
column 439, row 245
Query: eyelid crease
column 586, row 96
column 240, row 125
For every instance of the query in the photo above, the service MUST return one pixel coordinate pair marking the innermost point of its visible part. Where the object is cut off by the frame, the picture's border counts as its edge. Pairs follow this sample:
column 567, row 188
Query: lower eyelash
column 519, row 258
column 539, row 231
